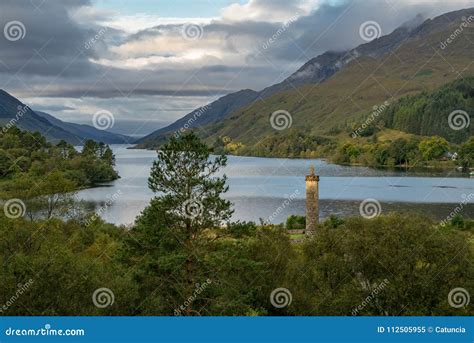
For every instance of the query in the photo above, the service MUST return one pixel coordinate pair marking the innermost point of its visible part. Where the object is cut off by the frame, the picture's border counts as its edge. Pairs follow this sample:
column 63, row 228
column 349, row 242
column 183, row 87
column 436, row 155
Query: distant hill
column 204, row 115
column 82, row 131
column 14, row 112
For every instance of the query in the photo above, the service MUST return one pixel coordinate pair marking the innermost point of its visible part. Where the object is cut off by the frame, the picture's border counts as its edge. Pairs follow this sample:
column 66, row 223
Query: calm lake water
column 260, row 186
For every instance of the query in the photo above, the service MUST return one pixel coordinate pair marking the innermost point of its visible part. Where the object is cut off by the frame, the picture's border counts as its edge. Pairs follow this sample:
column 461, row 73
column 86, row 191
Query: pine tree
column 188, row 203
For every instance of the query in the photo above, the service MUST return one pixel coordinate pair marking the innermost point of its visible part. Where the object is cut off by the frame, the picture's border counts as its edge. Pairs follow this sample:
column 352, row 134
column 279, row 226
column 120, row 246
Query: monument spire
column 312, row 201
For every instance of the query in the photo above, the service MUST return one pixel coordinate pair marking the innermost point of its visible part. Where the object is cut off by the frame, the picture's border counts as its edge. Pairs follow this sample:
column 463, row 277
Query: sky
column 149, row 62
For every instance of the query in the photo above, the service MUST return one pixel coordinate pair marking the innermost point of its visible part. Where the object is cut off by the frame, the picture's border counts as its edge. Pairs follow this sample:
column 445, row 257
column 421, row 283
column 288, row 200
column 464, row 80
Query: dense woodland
column 183, row 256
column 45, row 175
column 425, row 114
column 412, row 132
column 406, row 151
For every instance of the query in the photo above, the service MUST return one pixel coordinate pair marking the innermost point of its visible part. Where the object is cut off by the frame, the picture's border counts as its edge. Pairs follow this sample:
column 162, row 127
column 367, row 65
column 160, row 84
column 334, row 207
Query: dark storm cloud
column 336, row 27
column 53, row 43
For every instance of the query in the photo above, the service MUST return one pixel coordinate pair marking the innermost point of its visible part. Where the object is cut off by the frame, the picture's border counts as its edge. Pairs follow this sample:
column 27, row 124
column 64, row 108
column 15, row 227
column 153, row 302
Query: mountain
column 337, row 89
column 314, row 71
column 326, row 65
column 82, row 131
column 14, row 112
column 380, row 73
column 205, row 115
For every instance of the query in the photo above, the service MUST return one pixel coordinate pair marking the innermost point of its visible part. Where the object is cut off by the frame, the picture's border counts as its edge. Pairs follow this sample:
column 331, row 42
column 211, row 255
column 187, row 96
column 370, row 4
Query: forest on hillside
column 427, row 114
column 45, row 175
column 420, row 130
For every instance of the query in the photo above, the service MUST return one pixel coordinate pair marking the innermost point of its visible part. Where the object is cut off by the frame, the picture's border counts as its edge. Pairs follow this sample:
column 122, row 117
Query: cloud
column 82, row 55
column 52, row 40
column 268, row 10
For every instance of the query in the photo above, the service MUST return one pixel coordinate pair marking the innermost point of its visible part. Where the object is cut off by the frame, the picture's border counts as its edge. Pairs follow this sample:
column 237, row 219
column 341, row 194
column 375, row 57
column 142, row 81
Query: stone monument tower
column 312, row 199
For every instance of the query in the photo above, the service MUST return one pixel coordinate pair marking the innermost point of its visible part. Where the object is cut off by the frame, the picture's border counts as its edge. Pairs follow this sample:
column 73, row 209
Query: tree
column 47, row 196
column 97, row 160
column 66, row 150
column 433, row 148
column 295, row 222
column 5, row 163
column 188, row 205
column 466, row 154
column 398, row 264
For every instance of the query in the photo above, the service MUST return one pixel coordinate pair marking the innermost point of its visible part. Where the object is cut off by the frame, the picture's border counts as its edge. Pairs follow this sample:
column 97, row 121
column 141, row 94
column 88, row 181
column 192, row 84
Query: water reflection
column 258, row 186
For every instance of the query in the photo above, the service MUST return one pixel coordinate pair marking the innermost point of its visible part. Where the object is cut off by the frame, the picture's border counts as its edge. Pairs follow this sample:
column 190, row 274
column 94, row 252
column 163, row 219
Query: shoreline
column 440, row 166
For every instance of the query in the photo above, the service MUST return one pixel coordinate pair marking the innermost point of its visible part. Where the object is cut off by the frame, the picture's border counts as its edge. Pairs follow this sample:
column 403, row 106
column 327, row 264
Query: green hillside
column 347, row 99
column 427, row 114
column 416, row 130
